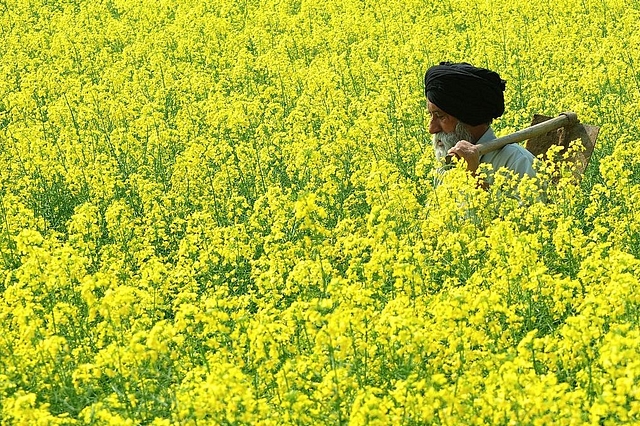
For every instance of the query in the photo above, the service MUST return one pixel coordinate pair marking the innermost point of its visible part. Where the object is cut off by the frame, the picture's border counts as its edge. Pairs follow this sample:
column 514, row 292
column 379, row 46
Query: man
column 463, row 101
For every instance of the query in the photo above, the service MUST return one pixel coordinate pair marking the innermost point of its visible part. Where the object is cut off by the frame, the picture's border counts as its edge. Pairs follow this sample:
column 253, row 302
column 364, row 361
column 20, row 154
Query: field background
column 224, row 212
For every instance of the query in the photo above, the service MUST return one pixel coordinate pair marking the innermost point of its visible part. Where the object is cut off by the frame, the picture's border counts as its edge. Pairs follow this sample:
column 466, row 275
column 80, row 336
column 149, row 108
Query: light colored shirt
column 513, row 156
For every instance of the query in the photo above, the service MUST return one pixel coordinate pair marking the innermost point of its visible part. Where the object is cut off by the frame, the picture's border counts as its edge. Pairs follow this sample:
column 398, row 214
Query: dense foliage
column 226, row 212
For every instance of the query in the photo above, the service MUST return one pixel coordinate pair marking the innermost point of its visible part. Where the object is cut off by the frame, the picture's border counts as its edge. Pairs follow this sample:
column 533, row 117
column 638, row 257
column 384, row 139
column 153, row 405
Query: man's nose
column 434, row 126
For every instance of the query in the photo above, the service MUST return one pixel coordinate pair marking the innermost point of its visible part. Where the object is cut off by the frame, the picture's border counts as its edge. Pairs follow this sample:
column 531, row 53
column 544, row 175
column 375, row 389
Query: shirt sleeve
column 523, row 165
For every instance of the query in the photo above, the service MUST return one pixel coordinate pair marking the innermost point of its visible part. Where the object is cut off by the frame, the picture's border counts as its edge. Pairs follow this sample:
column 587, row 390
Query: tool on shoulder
column 562, row 136
column 546, row 132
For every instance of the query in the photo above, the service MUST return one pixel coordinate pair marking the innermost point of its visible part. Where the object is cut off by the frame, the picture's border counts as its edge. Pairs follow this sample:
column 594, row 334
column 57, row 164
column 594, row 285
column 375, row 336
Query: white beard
column 443, row 142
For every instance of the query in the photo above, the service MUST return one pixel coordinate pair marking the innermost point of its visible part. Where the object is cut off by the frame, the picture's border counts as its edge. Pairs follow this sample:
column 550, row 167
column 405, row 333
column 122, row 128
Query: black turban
column 472, row 95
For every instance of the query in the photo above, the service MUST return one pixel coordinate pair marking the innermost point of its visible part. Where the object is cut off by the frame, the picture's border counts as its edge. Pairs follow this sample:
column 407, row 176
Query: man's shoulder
column 517, row 149
column 512, row 156
column 511, row 151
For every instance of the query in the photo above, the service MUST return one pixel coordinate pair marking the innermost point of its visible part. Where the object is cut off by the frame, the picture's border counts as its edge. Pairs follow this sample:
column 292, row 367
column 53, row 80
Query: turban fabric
column 472, row 95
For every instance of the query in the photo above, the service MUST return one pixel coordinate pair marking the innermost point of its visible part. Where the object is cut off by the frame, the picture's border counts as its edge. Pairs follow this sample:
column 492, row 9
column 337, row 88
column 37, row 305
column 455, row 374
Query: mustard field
column 229, row 212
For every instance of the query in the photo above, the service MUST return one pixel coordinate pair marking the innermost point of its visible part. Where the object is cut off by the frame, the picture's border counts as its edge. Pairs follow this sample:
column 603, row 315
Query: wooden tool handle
column 564, row 119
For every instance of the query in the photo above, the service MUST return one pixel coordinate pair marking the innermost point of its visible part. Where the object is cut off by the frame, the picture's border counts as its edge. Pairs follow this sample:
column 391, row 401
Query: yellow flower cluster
column 228, row 212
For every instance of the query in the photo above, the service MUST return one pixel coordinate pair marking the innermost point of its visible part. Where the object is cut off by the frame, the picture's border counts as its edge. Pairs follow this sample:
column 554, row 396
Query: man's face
column 440, row 120
column 446, row 130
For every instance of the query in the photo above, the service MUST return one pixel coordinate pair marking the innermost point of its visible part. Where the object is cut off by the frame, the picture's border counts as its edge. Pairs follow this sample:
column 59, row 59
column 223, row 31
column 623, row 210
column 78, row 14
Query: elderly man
column 463, row 101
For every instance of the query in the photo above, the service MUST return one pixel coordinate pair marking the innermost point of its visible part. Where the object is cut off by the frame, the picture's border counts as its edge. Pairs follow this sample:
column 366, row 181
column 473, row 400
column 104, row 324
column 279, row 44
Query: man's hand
column 468, row 152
